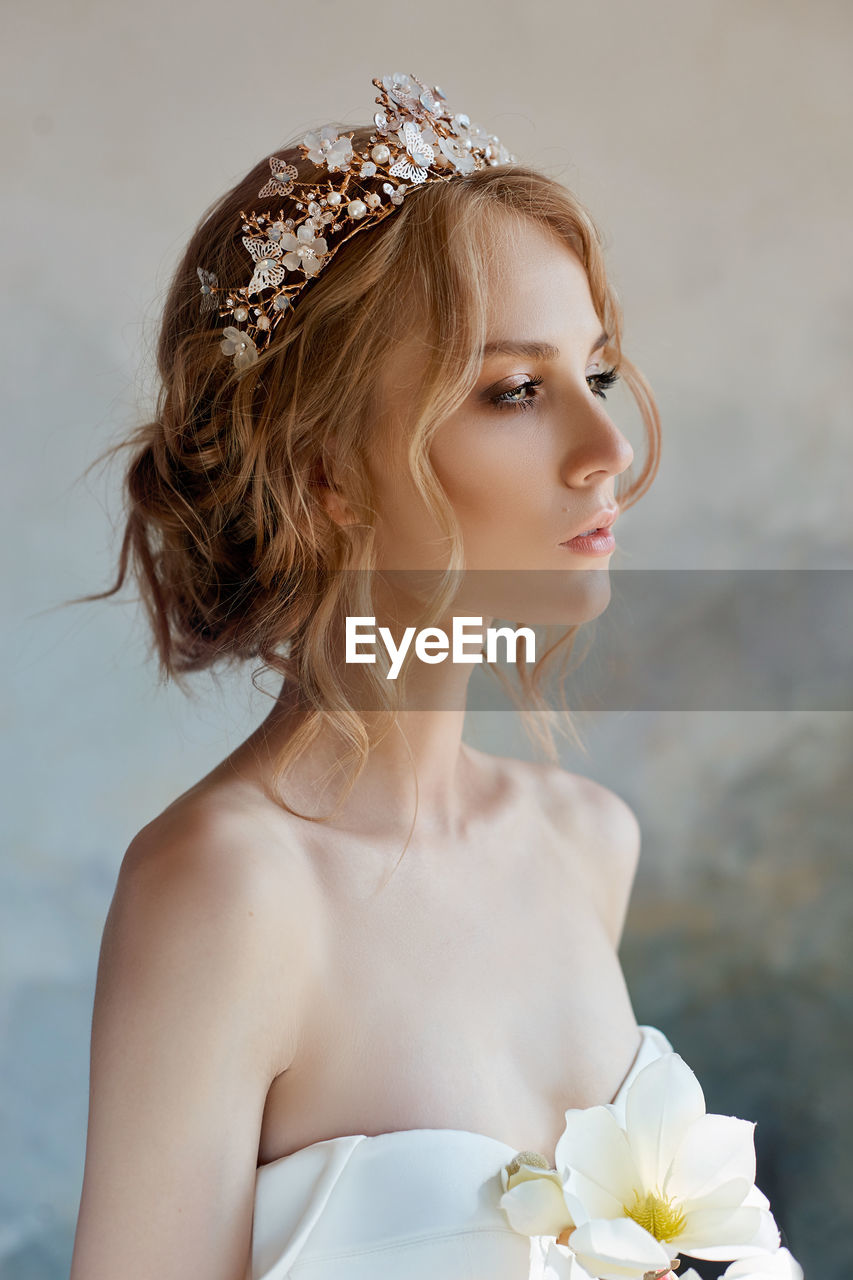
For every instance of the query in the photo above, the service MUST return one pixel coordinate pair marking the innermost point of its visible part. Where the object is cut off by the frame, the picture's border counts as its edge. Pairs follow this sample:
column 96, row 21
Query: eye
column 513, row 399
column 601, row 381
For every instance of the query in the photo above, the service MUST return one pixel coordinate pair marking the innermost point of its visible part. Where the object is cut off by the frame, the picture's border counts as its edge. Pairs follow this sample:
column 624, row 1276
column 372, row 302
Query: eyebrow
column 539, row 350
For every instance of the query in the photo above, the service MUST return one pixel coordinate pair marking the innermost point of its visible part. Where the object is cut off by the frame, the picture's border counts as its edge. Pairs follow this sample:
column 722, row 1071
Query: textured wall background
column 711, row 141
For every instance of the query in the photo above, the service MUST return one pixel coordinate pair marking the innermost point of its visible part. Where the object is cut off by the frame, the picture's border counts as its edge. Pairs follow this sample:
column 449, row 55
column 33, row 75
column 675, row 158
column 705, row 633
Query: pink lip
column 600, row 542
column 599, row 523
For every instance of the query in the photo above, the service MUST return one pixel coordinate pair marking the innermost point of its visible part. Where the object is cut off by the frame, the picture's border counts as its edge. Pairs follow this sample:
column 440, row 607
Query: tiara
column 417, row 139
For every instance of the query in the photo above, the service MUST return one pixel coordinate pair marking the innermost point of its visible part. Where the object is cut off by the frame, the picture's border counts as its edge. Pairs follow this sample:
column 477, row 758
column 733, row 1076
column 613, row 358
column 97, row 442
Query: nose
column 595, row 447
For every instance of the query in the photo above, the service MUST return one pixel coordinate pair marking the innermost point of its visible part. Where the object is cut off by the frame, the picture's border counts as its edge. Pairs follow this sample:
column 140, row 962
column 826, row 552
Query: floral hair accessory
column 417, row 139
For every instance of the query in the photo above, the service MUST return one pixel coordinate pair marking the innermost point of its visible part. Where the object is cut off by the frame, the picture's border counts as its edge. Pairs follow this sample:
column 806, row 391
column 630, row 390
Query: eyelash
column 601, row 380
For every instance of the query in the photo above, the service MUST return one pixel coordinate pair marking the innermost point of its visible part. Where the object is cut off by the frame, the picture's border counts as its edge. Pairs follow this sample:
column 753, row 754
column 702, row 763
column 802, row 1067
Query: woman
column 311, row 1055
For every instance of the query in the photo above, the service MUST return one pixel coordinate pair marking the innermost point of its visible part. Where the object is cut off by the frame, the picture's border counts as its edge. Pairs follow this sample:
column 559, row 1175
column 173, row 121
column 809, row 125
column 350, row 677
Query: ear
column 337, row 506
column 332, row 498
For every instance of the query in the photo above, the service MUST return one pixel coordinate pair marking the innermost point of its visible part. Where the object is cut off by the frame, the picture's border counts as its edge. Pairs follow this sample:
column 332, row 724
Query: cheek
column 486, row 470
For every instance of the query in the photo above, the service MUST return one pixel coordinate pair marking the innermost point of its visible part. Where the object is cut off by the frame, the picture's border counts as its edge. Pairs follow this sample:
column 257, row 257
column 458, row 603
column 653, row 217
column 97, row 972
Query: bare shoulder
column 596, row 823
column 197, row 1008
column 213, row 865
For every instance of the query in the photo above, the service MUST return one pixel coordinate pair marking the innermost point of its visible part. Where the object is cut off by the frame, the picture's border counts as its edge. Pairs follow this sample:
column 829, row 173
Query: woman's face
column 530, row 459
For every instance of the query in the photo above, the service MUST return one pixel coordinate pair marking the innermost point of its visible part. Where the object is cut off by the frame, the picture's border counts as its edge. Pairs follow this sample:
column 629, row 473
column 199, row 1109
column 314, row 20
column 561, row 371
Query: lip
column 601, row 520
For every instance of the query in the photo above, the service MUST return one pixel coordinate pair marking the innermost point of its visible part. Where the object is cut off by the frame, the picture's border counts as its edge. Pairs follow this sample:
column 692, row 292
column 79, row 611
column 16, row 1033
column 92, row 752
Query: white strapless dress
column 415, row 1204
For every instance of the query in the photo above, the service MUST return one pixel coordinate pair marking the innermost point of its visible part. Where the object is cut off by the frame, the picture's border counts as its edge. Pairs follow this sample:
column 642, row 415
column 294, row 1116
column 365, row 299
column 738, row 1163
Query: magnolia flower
column 780, row 1265
column 303, row 250
column 533, row 1197
column 646, row 1179
column 325, row 147
column 238, row 344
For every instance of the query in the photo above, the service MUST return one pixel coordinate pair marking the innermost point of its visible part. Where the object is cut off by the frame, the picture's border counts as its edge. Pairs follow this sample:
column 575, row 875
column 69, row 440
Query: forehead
column 537, row 285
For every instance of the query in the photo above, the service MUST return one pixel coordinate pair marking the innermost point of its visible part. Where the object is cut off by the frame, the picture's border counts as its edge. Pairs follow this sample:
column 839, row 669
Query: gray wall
column 711, row 141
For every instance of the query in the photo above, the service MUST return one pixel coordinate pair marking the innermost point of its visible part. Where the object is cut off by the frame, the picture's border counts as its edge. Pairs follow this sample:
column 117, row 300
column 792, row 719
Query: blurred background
column 711, row 142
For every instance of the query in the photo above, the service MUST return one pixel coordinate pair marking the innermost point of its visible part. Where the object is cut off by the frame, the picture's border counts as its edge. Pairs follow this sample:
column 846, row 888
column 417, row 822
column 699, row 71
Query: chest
column 482, row 995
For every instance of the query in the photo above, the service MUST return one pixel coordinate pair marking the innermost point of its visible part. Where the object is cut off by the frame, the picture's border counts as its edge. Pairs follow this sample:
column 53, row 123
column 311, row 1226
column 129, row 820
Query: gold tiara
column 417, row 139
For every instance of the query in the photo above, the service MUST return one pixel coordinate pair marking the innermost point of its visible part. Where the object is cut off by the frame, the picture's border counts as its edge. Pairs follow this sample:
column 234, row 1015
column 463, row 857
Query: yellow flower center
column 661, row 1217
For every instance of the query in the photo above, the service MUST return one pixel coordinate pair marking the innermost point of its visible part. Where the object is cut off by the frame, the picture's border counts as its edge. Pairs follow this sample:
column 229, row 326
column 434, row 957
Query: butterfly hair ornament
column 416, row 139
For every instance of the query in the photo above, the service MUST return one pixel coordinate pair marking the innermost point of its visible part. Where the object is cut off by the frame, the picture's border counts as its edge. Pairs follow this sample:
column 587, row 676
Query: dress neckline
column 645, row 1037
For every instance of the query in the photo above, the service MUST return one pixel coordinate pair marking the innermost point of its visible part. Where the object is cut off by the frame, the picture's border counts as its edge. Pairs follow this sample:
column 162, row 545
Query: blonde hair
column 226, row 532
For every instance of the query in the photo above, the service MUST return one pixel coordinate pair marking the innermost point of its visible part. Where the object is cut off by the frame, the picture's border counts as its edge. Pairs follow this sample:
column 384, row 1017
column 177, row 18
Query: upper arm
column 183, row 1052
column 608, row 836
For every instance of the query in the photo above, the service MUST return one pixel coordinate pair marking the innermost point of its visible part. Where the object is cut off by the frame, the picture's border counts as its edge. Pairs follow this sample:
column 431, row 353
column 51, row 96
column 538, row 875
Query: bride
column 355, row 969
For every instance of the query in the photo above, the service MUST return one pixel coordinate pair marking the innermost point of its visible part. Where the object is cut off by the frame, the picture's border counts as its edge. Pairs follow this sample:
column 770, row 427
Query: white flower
column 238, row 344
column 403, row 90
column 458, row 154
column 648, row 1178
column 419, row 155
column 683, row 1177
column 325, row 147
column 304, row 250
column 533, row 1197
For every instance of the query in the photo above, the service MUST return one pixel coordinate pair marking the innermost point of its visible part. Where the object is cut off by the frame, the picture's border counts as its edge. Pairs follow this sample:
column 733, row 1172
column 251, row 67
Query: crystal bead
column 368, row 169
column 313, row 208
column 373, row 201
column 263, row 322
column 281, row 302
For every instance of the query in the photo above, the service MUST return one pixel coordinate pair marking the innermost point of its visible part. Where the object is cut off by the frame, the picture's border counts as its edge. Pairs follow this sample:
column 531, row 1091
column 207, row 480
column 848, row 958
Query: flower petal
column 552, row 1261
column 536, row 1207
column 593, row 1144
column 722, row 1234
column 662, row 1102
column 595, row 1201
column 714, row 1150
column 618, row 1249
column 729, row 1195
column 781, row 1265
column 757, row 1198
